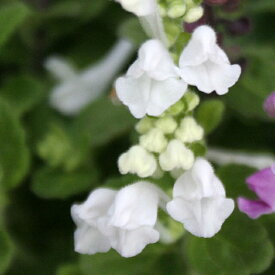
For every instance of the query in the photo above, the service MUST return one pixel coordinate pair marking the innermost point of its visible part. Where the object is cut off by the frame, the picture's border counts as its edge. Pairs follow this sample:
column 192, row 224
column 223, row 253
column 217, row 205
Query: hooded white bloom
column 199, row 201
column 151, row 84
column 88, row 238
column 124, row 220
column 149, row 16
column 189, row 130
column 137, row 161
column 77, row 90
column 176, row 156
column 204, row 64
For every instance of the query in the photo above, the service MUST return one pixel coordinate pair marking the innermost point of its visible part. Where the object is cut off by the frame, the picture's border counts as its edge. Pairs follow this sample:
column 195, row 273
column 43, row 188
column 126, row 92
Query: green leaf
column 22, row 92
column 14, row 154
column 256, row 83
column 155, row 259
column 6, row 251
column 132, row 30
column 61, row 148
column 11, row 17
column 69, row 269
column 49, row 183
column 242, row 248
column 209, row 114
column 103, row 121
column 234, row 177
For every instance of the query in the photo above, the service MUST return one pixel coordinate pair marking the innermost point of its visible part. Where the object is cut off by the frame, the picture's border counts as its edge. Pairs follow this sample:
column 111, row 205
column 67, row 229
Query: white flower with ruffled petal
column 134, row 216
column 88, row 238
column 123, row 220
column 199, row 201
column 205, row 65
column 152, row 83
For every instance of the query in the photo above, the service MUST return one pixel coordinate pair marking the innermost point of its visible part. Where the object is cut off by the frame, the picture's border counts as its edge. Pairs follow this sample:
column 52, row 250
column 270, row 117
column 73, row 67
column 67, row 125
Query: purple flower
column 269, row 105
column 263, row 184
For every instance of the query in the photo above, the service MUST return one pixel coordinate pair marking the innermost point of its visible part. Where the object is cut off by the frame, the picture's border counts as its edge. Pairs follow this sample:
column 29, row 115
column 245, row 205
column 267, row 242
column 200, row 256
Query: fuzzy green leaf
column 209, row 114
column 14, row 154
column 11, row 17
column 51, row 183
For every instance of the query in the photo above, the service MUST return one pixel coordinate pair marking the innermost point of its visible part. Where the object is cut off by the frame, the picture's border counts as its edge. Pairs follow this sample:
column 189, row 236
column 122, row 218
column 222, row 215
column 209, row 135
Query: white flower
column 204, row 64
column 124, row 220
column 137, row 161
column 134, row 215
column 199, row 201
column 149, row 17
column 77, row 90
column 189, row 130
column 138, row 7
column 151, row 84
column 153, row 141
column 176, row 156
column 88, row 238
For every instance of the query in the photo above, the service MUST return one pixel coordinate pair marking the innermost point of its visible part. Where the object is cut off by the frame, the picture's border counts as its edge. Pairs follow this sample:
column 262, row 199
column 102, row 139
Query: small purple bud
column 232, row 5
column 240, row 26
column 269, row 105
column 215, row 2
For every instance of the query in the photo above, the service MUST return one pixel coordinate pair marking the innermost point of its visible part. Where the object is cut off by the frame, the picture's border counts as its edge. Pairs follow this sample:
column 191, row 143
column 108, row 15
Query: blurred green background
column 49, row 161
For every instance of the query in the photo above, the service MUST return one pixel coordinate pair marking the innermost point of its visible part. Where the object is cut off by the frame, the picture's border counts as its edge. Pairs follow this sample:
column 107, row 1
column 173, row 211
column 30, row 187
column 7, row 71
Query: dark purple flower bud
column 269, row 105
column 240, row 26
column 231, row 5
column 215, row 2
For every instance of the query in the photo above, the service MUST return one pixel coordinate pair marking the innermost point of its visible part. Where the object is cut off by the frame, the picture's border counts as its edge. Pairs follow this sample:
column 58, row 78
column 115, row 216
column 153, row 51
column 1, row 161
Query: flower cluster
column 155, row 89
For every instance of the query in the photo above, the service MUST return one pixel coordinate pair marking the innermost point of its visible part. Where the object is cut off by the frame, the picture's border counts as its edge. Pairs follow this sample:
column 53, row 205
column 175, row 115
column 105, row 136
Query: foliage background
column 48, row 161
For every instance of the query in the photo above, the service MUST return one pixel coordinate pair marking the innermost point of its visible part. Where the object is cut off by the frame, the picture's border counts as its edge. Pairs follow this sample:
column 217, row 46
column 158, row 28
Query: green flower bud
column 189, row 130
column 166, row 124
column 153, row 141
column 176, row 109
column 193, row 15
column 144, row 125
column 192, row 100
column 176, row 9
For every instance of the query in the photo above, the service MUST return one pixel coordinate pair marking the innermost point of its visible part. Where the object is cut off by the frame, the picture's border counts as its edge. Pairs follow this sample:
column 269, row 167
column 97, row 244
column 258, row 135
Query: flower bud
column 176, row 109
column 215, row 2
column 193, row 14
column 192, row 100
column 176, row 9
column 176, row 156
column 153, row 141
column 189, row 130
column 166, row 124
column 137, row 161
column 144, row 125
column 269, row 105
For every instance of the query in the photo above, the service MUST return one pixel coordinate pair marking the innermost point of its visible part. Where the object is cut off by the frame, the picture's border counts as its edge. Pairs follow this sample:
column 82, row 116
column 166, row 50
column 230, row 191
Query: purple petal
column 269, row 105
column 253, row 209
column 263, row 184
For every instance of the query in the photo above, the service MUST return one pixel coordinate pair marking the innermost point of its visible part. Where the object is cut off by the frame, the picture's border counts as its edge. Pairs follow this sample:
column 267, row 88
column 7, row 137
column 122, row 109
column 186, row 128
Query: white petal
column 155, row 60
column 203, row 218
column 223, row 76
column 131, row 243
column 135, row 205
column 96, row 205
column 164, row 94
column 198, row 182
column 138, row 7
column 89, row 240
column 134, row 93
column 200, row 44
